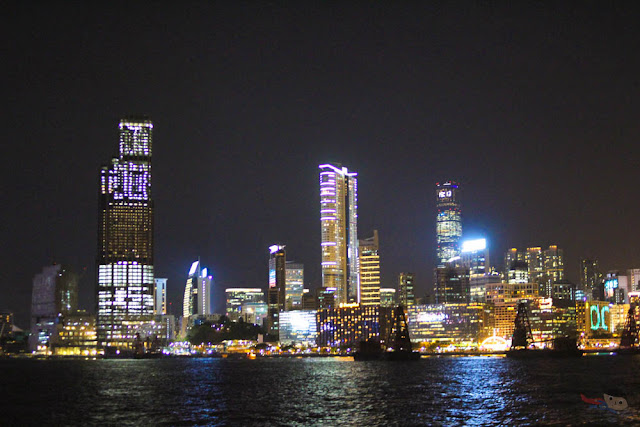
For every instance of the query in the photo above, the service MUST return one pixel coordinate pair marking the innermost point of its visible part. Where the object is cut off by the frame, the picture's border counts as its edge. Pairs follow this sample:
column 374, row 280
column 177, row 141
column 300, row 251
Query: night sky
column 533, row 109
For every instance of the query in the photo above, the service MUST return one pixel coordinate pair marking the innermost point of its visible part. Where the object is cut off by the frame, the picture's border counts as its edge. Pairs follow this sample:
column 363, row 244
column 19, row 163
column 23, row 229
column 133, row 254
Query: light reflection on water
column 326, row 391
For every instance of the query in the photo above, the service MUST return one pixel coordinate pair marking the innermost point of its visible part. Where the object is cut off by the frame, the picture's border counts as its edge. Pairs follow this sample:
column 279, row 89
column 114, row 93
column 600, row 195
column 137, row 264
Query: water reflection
column 327, row 391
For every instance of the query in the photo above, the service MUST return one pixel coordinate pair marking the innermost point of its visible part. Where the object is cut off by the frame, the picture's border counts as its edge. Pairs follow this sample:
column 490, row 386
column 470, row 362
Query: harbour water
column 318, row 391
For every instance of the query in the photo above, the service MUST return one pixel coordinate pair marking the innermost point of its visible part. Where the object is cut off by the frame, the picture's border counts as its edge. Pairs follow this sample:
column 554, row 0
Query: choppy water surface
column 332, row 391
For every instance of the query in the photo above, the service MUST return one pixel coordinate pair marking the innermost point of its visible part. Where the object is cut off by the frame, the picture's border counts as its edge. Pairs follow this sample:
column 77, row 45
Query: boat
column 522, row 339
column 401, row 348
column 369, row 350
column 629, row 337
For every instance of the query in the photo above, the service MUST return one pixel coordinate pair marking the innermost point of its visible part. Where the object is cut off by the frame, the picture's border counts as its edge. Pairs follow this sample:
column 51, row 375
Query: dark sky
column 533, row 108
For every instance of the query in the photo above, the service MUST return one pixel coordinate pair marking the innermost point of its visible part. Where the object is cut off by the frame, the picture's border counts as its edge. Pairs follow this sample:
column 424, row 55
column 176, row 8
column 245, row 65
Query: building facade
column 370, row 270
column 294, row 285
column 455, row 323
column 160, row 296
column 55, row 294
column 125, row 238
column 388, row 297
column 406, row 294
column 349, row 324
column 236, row 297
column 553, row 267
column 298, row 326
column 339, row 232
column 590, row 278
column 448, row 221
column 452, row 283
column 276, row 292
column 197, row 292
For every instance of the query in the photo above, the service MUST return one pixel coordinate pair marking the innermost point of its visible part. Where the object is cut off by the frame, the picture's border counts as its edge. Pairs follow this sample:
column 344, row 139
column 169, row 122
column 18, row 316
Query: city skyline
column 532, row 127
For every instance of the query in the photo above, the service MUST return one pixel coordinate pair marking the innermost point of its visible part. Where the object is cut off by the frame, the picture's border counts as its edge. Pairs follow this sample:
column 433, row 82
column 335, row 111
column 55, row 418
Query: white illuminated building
column 125, row 229
column 160, row 295
column 197, row 292
column 339, row 232
column 298, row 326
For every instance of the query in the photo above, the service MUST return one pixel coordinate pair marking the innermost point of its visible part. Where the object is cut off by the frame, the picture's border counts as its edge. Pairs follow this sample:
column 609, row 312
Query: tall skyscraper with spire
column 448, row 221
column 125, row 237
column 339, row 232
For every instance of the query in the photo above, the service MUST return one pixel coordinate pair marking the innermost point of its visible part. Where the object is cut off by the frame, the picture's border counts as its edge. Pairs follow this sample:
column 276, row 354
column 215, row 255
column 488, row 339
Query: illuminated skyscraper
column 449, row 221
column 197, row 292
column 294, row 279
column 511, row 256
column 125, row 238
column 160, row 296
column 553, row 268
column 590, row 279
column 277, row 291
column 339, row 232
column 406, row 295
column 370, row 270
column 535, row 262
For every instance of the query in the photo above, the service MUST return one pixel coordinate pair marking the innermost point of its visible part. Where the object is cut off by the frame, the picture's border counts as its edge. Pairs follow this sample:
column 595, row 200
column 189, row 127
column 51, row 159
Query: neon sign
column 598, row 319
column 444, row 193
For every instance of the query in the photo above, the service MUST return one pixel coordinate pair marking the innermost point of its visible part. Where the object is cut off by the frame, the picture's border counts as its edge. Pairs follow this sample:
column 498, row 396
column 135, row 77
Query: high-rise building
column 590, row 279
column 197, row 292
column 616, row 288
column 449, row 221
column 475, row 256
column 633, row 275
column 339, row 232
column 518, row 273
column 370, row 270
column 276, row 293
column 512, row 255
column 535, row 263
column 294, row 285
column 452, row 283
column 125, row 238
column 277, row 275
column 160, row 296
column 237, row 297
column 6, row 323
column 55, row 294
column 544, row 267
column 55, row 291
column 406, row 295
column 553, row 268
